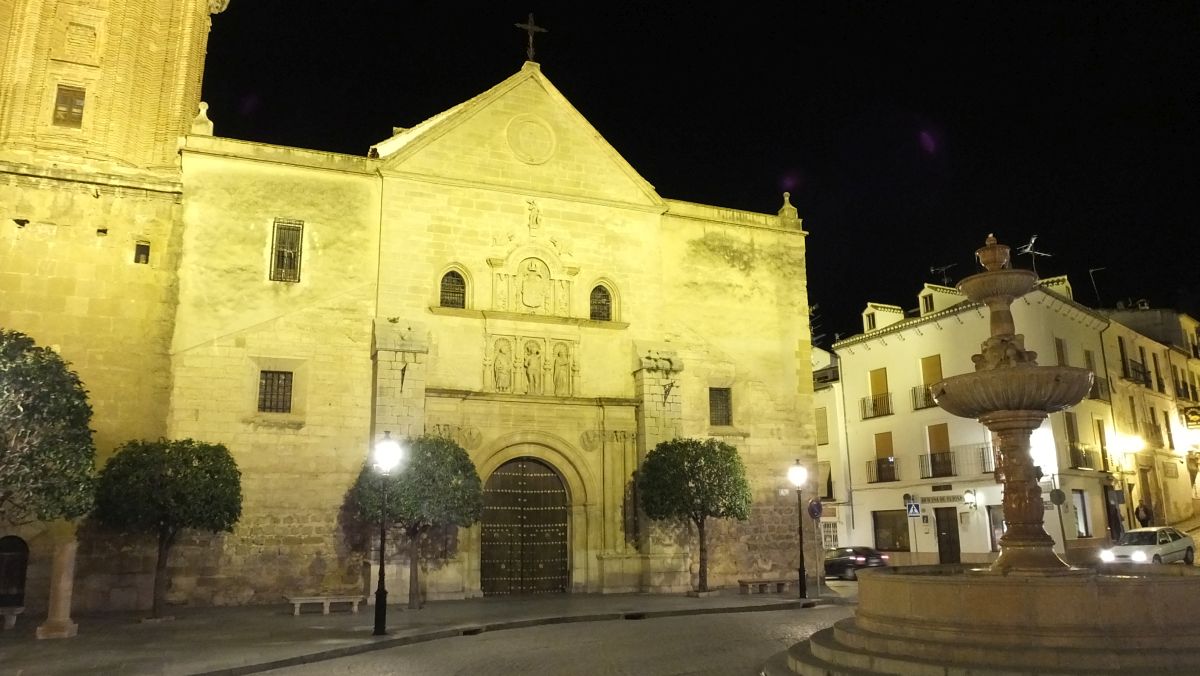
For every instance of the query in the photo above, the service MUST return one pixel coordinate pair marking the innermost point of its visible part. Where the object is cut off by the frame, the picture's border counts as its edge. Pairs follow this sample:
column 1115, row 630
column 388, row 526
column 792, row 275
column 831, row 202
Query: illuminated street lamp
column 798, row 474
column 387, row 456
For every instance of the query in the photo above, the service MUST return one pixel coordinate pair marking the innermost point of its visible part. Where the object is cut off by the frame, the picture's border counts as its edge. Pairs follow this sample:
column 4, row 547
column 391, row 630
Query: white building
column 919, row 482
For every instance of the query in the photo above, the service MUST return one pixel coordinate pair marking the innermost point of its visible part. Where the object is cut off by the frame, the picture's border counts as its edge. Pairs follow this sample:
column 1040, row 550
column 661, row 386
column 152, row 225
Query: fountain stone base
column 956, row 620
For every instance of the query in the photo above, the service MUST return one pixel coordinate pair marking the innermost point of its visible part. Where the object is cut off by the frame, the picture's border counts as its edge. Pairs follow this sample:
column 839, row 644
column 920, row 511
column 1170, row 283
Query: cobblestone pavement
column 695, row 645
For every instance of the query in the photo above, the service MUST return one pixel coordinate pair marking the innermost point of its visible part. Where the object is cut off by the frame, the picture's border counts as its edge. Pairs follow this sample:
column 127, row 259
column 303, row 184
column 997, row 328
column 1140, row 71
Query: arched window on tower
column 601, row 303
column 454, row 290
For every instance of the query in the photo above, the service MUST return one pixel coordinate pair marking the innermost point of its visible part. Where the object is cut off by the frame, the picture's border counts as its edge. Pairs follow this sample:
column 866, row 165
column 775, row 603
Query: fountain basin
column 1008, row 283
column 1032, row 388
column 955, row 620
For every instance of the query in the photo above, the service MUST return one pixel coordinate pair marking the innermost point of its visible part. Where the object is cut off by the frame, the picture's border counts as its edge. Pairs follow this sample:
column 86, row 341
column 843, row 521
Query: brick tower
column 107, row 80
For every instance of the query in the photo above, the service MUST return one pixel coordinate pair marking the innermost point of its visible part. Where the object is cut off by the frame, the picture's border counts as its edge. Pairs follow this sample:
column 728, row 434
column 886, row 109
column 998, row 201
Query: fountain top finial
column 992, row 255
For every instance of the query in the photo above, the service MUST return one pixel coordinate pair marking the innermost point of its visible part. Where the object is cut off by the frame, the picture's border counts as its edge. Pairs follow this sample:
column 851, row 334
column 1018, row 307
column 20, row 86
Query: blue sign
column 914, row 509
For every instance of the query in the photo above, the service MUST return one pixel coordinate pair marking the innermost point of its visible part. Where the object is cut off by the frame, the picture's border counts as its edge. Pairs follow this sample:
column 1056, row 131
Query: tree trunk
column 166, row 538
column 414, row 585
column 703, row 555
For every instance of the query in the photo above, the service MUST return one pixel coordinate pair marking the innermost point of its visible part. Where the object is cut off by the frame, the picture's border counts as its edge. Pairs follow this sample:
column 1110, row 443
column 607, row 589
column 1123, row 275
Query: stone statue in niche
column 535, row 217
column 533, row 367
column 533, row 284
column 562, row 370
column 502, row 366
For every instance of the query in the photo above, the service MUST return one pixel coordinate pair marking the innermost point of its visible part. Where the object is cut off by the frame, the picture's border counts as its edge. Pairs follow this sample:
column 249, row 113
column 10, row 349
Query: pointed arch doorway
column 523, row 547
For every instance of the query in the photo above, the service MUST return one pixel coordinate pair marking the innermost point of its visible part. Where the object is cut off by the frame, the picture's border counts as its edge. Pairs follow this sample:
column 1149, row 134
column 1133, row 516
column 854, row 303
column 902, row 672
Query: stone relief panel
column 531, row 276
column 466, row 436
column 530, row 288
column 531, row 365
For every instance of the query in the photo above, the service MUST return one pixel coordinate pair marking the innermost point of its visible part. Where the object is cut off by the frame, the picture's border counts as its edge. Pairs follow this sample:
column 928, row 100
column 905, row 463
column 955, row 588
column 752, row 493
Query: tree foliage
column 47, row 458
column 162, row 487
column 435, row 486
column 693, row 480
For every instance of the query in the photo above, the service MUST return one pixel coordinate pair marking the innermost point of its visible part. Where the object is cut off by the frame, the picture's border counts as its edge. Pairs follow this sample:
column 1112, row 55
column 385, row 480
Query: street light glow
column 388, row 453
column 797, row 474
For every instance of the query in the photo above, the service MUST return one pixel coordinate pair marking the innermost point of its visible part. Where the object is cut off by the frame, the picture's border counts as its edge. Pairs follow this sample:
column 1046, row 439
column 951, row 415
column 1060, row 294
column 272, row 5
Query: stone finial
column 992, row 256
column 217, row 6
column 787, row 213
column 202, row 126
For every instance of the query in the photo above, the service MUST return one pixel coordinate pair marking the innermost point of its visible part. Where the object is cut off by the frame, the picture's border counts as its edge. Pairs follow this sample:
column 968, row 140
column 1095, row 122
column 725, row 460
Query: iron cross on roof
column 530, row 27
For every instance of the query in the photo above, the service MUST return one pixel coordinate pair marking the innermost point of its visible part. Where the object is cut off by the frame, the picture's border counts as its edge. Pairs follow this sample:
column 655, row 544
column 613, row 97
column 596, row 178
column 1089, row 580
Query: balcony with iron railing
column 1136, row 371
column 1160, row 385
column 1100, row 390
column 1183, row 390
column 881, row 470
column 1082, row 456
column 876, row 405
column 922, row 398
column 937, row 465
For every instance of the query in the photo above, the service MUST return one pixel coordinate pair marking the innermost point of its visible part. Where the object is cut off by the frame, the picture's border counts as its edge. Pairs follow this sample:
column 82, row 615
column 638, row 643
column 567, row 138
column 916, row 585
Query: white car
column 1158, row 544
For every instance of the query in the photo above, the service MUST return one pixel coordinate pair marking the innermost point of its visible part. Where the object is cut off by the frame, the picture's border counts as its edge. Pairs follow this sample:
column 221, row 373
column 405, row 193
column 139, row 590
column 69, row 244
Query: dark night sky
column 905, row 131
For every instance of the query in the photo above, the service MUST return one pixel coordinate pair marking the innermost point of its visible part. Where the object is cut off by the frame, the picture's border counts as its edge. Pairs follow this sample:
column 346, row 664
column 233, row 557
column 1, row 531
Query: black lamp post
column 798, row 474
column 387, row 456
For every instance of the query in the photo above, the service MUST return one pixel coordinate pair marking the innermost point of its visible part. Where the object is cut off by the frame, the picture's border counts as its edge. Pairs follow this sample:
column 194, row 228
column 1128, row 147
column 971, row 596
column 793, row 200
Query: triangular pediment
column 521, row 135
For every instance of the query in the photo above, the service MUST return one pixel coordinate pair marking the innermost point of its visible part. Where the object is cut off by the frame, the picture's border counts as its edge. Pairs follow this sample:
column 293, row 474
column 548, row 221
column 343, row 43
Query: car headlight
column 1138, row 556
column 1107, row 556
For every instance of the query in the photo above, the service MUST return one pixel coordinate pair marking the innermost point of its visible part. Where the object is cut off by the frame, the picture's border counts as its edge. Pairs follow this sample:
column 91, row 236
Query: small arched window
column 601, row 303
column 454, row 290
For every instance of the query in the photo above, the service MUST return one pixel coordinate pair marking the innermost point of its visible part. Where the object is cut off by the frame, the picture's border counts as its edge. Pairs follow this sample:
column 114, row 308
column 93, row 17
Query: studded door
column 524, row 532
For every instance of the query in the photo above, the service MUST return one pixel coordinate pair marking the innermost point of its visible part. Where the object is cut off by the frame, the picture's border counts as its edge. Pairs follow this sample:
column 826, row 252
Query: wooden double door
column 524, row 530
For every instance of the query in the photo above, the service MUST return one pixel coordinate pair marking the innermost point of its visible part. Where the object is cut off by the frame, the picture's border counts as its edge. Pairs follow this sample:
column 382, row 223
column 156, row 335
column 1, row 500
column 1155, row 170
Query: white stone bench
column 779, row 586
column 325, row 600
column 10, row 615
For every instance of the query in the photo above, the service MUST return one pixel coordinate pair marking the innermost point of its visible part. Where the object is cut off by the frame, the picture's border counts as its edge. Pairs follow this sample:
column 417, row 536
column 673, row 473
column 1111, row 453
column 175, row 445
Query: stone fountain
column 1029, row 612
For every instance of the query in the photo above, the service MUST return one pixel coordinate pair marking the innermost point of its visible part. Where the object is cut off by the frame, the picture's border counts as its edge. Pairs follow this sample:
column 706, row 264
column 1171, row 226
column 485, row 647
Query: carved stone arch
column 468, row 283
column 614, row 297
column 580, row 484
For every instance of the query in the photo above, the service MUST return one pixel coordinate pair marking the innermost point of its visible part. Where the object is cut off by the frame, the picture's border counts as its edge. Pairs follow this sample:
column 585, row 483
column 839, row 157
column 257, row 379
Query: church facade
column 497, row 274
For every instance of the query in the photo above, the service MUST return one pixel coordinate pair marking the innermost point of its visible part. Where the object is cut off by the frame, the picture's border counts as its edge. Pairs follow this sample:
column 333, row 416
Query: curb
column 476, row 629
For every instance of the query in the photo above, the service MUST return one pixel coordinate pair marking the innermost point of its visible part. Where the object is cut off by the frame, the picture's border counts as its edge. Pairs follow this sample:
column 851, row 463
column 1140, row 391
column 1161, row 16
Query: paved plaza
column 254, row 639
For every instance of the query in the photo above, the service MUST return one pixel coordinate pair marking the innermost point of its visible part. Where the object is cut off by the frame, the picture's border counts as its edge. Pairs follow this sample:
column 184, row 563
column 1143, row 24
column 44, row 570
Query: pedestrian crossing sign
column 914, row 509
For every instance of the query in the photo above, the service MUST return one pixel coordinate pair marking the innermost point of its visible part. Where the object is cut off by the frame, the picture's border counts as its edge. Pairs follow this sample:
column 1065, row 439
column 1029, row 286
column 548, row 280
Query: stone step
column 847, row 649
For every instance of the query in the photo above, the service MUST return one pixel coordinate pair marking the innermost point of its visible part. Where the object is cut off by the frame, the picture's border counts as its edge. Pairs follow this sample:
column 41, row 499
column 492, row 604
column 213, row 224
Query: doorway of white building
column 947, row 534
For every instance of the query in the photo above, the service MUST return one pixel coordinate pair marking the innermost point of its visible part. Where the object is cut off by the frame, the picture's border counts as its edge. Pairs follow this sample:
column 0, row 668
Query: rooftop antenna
column 941, row 270
column 1030, row 251
column 1092, row 273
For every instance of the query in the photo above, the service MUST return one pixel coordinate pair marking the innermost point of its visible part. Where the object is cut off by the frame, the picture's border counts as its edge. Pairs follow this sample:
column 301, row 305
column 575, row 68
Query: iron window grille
column 285, row 250
column 68, row 107
column 275, row 391
column 453, row 290
column 720, row 406
column 601, row 304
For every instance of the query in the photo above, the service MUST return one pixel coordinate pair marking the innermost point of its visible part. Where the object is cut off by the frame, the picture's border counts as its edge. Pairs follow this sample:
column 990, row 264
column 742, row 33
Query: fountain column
column 1011, row 395
column 1025, row 544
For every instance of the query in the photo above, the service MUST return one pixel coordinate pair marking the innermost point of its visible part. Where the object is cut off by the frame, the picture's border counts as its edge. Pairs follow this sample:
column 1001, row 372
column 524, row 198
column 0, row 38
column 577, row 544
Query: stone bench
column 10, row 615
column 324, row 600
column 778, row 586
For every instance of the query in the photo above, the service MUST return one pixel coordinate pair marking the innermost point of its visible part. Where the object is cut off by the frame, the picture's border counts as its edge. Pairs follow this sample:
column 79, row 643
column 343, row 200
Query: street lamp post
column 798, row 474
column 387, row 456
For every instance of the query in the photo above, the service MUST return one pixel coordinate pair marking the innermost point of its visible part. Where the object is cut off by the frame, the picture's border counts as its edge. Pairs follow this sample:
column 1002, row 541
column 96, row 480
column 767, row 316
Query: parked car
column 1158, row 544
column 845, row 562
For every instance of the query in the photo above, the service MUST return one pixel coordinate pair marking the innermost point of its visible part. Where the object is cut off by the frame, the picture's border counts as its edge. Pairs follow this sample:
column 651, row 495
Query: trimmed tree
column 436, row 486
column 47, row 458
column 692, row 480
column 162, row 487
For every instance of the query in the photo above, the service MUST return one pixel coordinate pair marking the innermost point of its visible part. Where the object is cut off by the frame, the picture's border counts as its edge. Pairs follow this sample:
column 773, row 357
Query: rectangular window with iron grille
column 275, row 391
column 829, row 534
column 68, row 106
column 720, row 406
column 285, row 250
